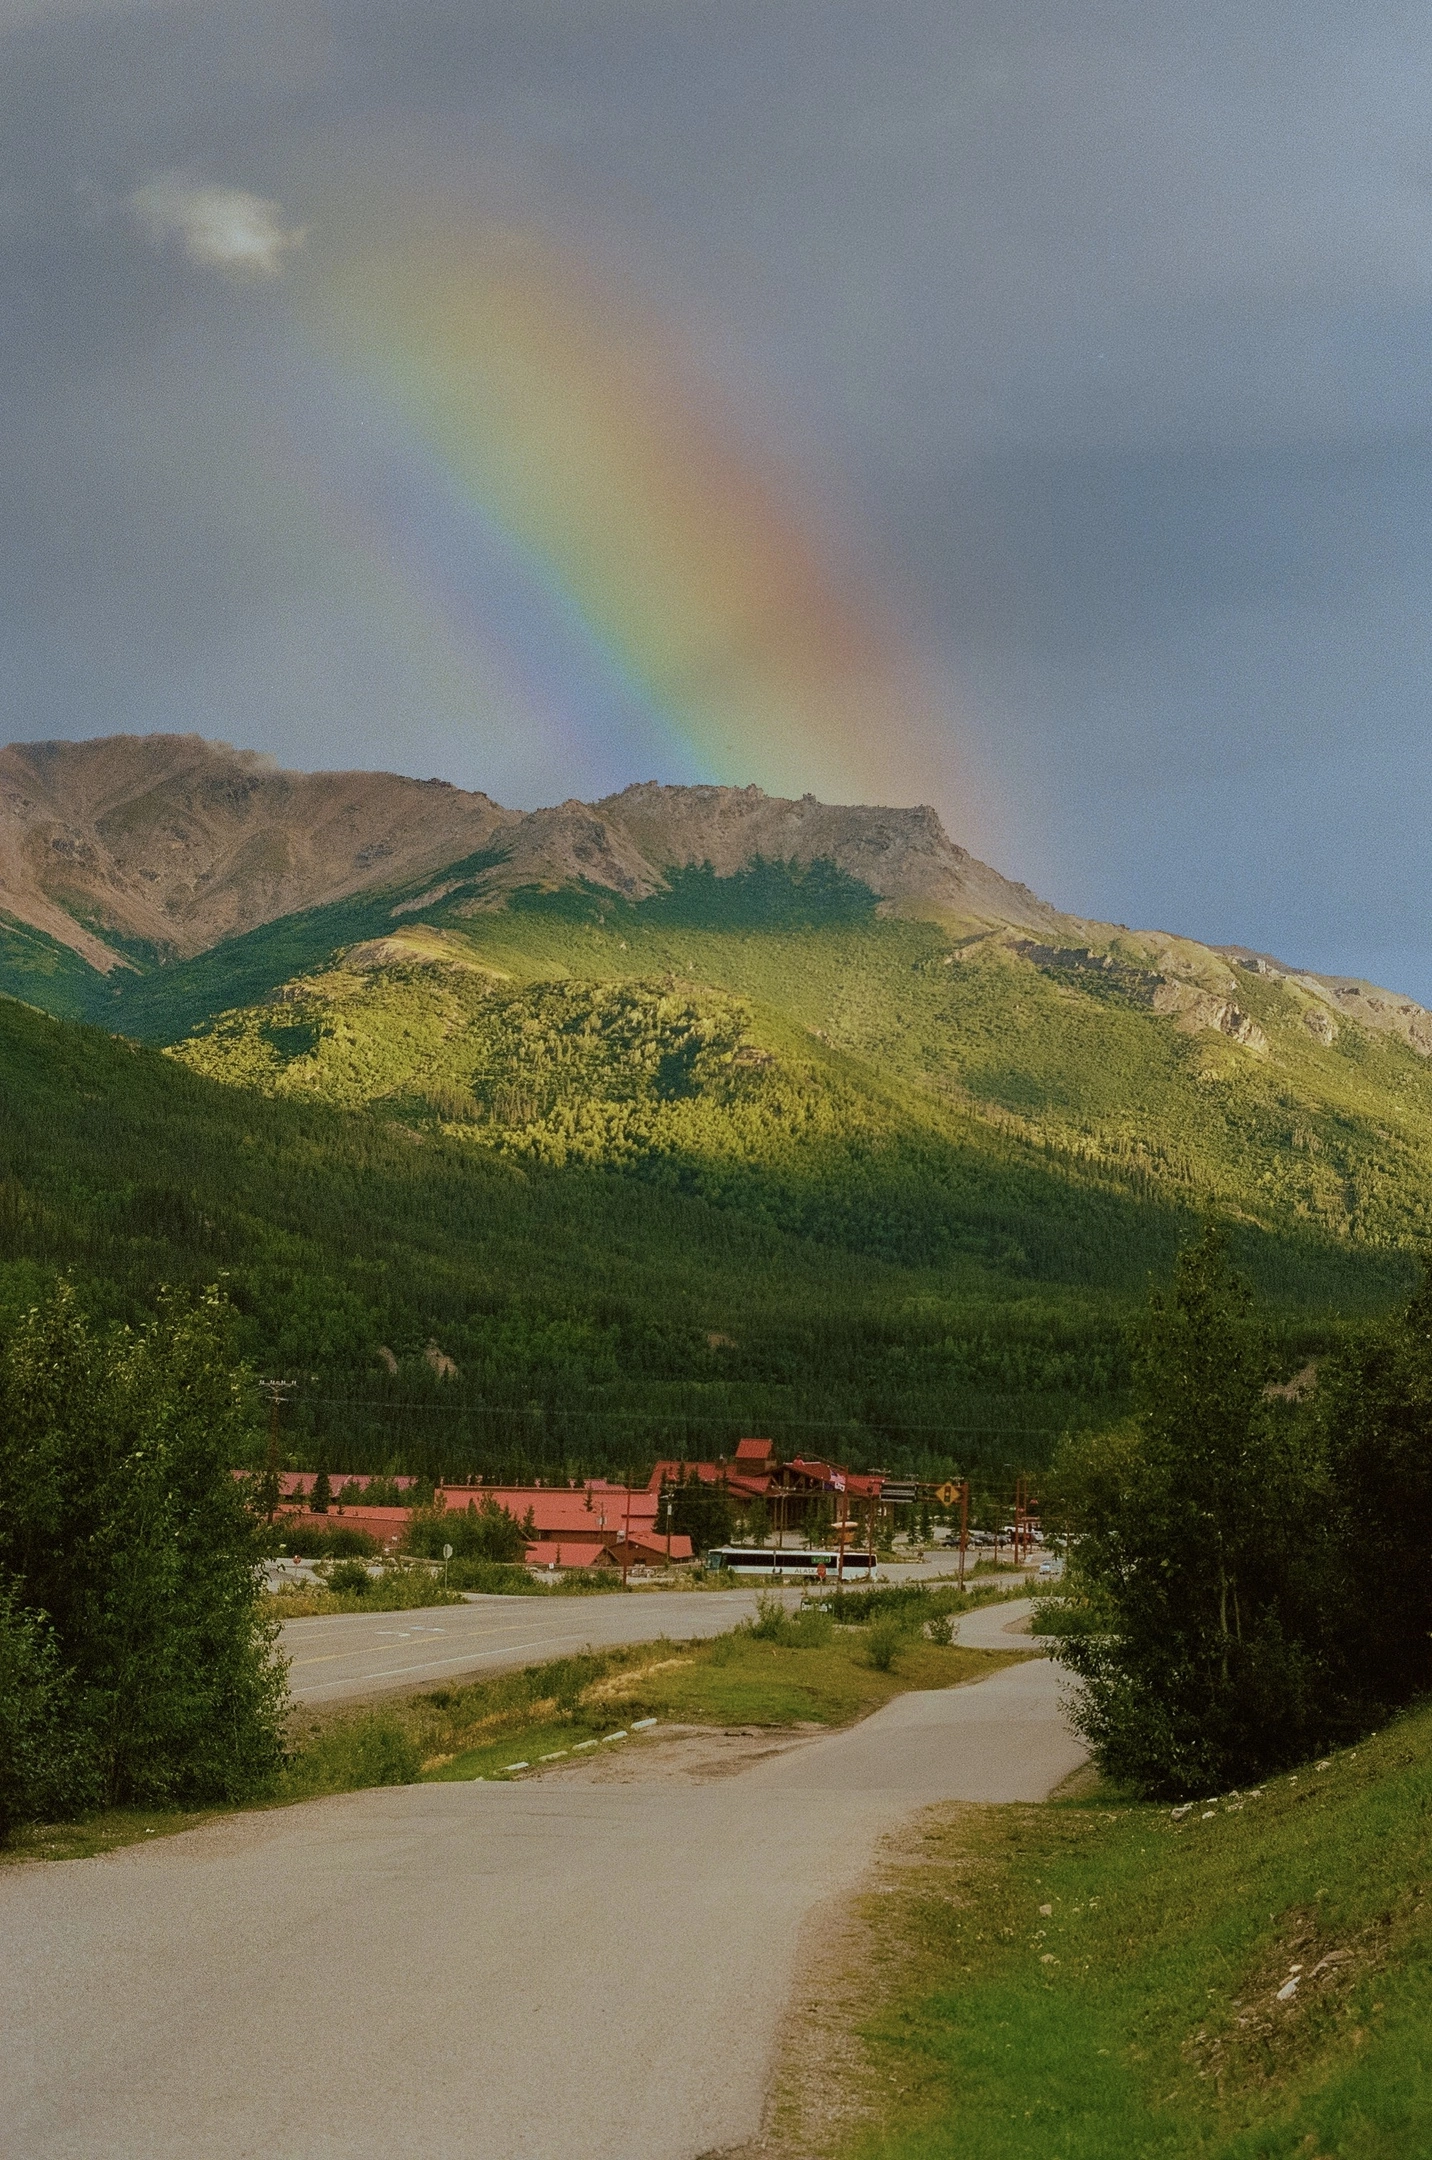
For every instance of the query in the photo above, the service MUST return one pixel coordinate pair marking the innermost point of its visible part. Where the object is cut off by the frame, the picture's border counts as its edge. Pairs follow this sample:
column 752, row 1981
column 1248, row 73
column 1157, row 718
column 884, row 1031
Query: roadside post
column 447, row 1555
column 277, row 1391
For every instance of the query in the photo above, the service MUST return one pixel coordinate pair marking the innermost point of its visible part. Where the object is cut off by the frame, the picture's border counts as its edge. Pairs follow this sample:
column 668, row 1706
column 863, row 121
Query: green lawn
column 1097, row 1981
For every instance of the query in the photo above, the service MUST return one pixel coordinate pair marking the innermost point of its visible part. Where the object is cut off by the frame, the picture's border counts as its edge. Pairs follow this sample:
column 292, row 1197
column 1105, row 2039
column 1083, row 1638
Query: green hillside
column 746, row 1155
column 886, row 1087
column 596, row 1320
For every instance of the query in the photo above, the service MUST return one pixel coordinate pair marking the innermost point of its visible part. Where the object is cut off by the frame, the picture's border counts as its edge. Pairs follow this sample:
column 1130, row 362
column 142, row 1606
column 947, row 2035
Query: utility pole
column 626, row 1534
column 1021, row 1518
column 844, row 1530
column 277, row 1391
column 964, row 1526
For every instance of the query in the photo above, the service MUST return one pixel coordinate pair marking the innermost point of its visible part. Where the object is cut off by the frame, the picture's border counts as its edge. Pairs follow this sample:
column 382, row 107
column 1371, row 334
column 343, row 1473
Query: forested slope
column 595, row 1318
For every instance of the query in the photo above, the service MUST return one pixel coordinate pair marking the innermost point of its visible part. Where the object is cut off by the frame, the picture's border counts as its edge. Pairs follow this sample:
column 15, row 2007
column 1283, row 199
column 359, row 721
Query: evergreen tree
column 321, row 1497
column 701, row 1512
column 1374, row 1408
column 1195, row 1606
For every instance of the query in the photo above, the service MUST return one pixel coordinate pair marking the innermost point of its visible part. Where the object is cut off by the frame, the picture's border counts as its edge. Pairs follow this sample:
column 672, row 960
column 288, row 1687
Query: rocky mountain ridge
column 132, row 850
column 175, row 843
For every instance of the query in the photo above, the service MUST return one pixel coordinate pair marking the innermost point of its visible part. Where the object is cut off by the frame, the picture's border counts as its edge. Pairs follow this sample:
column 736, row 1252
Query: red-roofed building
column 792, row 1491
column 747, row 1476
column 553, row 1553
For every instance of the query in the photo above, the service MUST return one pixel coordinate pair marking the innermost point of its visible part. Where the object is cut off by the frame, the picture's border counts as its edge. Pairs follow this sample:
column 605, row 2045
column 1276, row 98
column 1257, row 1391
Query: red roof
column 550, row 1552
column 558, row 1511
column 677, row 1473
column 857, row 1484
column 650, row 1546
column 755, row 1454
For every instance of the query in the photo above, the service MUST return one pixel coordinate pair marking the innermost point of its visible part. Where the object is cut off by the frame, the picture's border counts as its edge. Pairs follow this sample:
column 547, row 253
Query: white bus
column 768, row 1564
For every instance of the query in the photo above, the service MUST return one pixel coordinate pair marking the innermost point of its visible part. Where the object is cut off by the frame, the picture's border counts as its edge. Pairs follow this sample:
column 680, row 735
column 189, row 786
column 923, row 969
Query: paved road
column 358, row 1654
column 513, row 1971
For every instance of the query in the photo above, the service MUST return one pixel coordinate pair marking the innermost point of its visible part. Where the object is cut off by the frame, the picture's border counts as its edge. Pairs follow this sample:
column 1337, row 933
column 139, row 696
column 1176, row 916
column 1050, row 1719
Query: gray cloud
column 1101, row 333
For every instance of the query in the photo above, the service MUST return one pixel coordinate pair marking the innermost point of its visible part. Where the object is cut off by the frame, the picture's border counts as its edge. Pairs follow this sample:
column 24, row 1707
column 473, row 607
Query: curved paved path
column 538, row 1971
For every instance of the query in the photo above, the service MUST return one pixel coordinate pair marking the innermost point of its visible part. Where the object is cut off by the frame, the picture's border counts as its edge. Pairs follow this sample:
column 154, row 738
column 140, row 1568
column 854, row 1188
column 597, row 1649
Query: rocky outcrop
column 1381, row 1011
column 905, row 856
column 1190, row 1005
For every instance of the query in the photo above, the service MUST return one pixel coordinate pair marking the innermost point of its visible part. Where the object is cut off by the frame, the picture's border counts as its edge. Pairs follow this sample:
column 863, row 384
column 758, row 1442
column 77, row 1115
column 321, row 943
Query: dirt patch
column 628, row 1683
column 678, row 1754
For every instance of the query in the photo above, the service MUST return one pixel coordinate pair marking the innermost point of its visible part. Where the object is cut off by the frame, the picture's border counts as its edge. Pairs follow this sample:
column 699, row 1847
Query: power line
column 660, row 1417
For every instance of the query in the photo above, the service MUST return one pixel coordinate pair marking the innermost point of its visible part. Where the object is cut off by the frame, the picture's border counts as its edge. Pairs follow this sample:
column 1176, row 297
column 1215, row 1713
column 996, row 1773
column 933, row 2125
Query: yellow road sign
column 948, row 1495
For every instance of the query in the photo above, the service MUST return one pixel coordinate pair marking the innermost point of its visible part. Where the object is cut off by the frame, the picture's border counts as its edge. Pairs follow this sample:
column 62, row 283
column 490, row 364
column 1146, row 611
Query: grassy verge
column 102, row 1833
column 397, row 1589
column 1088, row 1980
column 736, row 1679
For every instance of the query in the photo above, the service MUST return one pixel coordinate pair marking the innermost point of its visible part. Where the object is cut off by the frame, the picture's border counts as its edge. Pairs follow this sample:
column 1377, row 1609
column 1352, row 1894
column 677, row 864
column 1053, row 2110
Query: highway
column 558, row 1969
column 353, row 1655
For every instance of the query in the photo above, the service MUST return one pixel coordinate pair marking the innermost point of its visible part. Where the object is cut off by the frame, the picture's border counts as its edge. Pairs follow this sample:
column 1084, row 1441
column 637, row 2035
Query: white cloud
column 223, row 228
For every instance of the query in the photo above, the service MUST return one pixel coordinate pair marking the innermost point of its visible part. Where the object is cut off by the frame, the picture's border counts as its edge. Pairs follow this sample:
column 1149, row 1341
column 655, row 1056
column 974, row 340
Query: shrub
column 346, row 1544
column 941, row 1628
column 770, row 1622
column 564, row 1680
column 487, row 1532
column 39, row 1767
column 306, row 1542
column 811, row 1628
column 911, row 1603
column 350, row 1578
column 301, row 1539
column 884, row 1641
column 348, row 1757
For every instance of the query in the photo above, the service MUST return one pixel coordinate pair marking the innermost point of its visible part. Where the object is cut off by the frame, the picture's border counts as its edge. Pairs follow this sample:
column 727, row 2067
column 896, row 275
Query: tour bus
column 795, row 1564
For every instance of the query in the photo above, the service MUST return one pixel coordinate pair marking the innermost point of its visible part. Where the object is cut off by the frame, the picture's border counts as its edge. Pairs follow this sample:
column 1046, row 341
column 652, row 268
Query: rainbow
column 575, row 467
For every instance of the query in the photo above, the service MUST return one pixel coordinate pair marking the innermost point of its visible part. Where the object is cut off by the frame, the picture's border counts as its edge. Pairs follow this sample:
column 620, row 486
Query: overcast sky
column 1092, row 340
